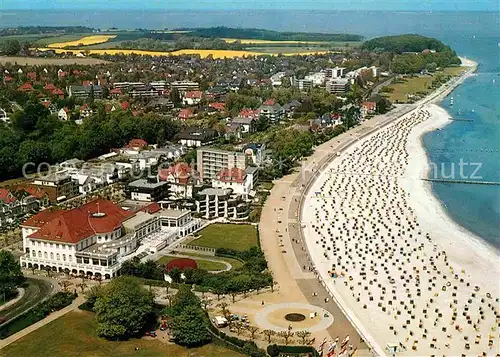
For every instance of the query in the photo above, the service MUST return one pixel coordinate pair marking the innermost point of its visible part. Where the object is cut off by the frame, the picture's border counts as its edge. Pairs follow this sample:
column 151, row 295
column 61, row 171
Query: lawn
column 409, row 86
column 232, row 236
column 202, row 263
column 74, row 335
column 235, row 263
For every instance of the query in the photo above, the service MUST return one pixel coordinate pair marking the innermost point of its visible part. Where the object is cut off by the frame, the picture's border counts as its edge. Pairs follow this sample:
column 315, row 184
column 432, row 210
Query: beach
column 404, row 272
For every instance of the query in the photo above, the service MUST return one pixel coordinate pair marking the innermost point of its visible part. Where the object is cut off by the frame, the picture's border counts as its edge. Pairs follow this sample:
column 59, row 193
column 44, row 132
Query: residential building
column 256, row 152
column 196, row 137
column 184, row 86
column 290, row 107
column 185, row 114
column 245, row 124
column 149, row 189
column 58, row 186
column 305, row 84
column 84, row 92
column 192, row 97
column 210, row 161
column 63, row 114
column 15, row 204
column 338, row 85
column 337, row 72
column 276, row 79
column 235, row 179
column 72, row 164
column 368, row 108
column 180, row 221
column 218, row 202
column 317, row 79
column 182, row 178
column 272, row 111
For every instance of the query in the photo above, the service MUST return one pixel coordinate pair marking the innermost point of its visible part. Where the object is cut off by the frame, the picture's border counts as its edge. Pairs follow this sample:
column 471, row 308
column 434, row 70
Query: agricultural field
column 84, row 41
column 36, row 61
column 74, row 335
column 202, row 263
column 232, row 236
column 203, row 53
column 251, row 41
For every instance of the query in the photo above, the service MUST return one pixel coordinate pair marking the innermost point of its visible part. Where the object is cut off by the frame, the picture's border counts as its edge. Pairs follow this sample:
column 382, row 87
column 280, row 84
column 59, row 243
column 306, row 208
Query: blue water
column 473, row 34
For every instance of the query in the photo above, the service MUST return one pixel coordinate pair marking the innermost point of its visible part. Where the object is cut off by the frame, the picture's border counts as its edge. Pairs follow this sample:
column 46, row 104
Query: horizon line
column 242, row 9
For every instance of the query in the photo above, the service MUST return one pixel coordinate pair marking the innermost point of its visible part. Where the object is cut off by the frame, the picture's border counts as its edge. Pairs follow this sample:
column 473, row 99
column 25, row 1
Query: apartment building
column 338, row 85
column 211, row 161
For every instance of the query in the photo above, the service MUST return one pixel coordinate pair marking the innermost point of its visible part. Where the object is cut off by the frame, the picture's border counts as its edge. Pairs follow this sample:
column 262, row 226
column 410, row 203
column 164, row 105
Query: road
column 36, row 290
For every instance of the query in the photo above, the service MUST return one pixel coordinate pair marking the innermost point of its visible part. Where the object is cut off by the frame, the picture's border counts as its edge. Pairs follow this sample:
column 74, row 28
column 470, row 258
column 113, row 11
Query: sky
column 383, row 5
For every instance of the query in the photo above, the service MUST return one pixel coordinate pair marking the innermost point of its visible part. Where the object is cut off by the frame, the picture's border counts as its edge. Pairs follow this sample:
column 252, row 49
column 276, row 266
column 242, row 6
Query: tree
column 303, row 335
column 286, row 335
column 269, row 334
column 65, row 284
column 10, row 273
column 11, row 47
column 253, row 330
column 238, row 326
column 223, row 305
column 123, row 308
column 187, row 320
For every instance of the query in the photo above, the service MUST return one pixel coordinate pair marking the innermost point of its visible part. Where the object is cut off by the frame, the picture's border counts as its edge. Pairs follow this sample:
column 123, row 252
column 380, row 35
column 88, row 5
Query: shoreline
column 473, row 255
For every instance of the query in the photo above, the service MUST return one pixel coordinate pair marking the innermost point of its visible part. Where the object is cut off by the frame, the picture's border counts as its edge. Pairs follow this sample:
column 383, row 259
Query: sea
column 471, row 143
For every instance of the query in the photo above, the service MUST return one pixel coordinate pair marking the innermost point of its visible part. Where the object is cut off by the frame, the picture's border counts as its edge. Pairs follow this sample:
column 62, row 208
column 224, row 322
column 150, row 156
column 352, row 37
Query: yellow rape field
column 203, row 53
column 87, row 40
column 249, row 41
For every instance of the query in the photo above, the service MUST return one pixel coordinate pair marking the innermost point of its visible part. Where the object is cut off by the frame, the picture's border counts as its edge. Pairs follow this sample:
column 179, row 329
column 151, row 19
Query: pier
column 469, row 182
column 456, row 119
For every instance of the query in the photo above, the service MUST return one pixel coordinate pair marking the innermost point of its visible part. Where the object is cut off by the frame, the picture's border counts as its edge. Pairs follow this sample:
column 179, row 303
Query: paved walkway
column 53, row 316
column 323, row 322
column 20, row 294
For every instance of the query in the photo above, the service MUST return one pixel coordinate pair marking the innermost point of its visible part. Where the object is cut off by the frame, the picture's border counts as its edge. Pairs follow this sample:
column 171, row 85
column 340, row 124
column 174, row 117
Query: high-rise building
column 210, row 161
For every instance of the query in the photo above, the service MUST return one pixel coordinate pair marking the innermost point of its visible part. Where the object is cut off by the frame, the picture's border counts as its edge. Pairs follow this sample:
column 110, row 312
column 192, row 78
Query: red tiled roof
column 151, row 208
column 57, row 91
column 36, row 191
column 31, row 75
column 195, row 94
column 6, row 196
column 218, row 106
column 369, row 105
column 26, row 87
column 61, row 74
column 46, row 103
column 181, row 171
column 125, row 105
column 185, row 113
column 96, row 217
column 115, row 91
column 85, row 106
column 137, row 143
column 41, row 218
column 49, row 86
column 249, row 113
column 7, row 78
column 270, row 102
column 86, row 83
column 231, row 175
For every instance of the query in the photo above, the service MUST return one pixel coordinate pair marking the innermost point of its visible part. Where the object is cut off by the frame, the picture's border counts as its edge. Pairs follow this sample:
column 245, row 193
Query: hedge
column 276, row 350
column 37, row 313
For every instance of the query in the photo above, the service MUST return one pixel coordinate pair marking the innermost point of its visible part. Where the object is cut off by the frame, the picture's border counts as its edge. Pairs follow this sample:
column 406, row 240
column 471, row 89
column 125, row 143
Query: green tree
column 123, row 308
column 187, row 320
column 10, row 273
column 11, row 47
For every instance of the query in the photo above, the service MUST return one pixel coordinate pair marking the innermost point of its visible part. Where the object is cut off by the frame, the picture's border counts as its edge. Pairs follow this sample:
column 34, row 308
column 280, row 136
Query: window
column 57, row 246
column 39, row 244
column 51, row 255
column 44, row 244
column 64, row 257
column 34, row 253
column 70, row 257
column 39, row 254
column 45, row 255
column 51, row 245
column 57, row 256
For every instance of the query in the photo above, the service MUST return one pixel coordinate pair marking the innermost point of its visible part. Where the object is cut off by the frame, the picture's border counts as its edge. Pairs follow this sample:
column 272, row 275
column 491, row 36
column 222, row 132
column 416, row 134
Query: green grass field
column 409, row 86
column 232, row 236
column 202, row 263
column 61, row 38
column 234, row 262
column 74, row 335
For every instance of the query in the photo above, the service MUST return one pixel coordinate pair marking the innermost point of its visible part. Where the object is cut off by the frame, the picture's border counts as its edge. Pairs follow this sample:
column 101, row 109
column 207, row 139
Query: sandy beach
column 407, row 275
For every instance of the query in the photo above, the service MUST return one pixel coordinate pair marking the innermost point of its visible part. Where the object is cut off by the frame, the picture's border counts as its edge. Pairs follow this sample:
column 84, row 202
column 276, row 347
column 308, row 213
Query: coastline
column 474, row 256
